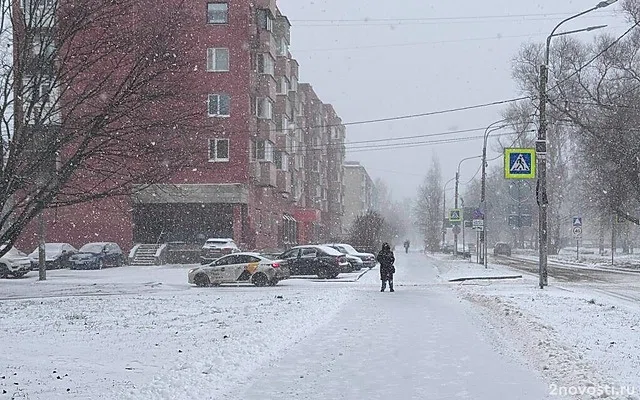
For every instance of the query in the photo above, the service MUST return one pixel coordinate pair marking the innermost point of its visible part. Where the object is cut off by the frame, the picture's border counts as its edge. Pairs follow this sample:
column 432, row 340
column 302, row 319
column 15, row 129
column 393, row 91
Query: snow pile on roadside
column 577, row 339
column 195, row 344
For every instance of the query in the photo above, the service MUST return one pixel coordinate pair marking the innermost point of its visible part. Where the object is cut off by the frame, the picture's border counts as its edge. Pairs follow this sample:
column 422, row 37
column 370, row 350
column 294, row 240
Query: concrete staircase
column 145, row 255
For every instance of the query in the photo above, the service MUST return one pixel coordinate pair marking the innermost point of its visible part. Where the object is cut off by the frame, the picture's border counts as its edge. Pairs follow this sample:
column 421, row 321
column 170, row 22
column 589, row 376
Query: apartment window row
column 218, row 13
column 218, row 60
column 219, row 105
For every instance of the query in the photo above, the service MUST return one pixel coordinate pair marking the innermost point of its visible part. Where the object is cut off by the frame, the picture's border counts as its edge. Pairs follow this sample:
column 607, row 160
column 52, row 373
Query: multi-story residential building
column 265, row 169
column 359, row 194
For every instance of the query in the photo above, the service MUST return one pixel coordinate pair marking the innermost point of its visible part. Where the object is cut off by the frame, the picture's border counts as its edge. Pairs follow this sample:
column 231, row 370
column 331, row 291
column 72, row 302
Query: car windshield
column 219, row 242
column 330, row 251
column 349, row 248
column 95, row 248
column 13, row 252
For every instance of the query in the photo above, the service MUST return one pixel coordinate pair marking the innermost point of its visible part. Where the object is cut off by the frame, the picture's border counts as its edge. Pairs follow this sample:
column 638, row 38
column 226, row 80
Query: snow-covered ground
column 144, row 333
column 582, row 339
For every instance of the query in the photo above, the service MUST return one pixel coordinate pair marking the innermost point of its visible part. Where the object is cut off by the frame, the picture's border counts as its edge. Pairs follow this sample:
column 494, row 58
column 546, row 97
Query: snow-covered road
column 420, row 342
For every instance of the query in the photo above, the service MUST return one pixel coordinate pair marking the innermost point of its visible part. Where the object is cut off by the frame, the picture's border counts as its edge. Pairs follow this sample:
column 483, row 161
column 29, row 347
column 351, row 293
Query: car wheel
column 324, row 273
column 202, row 280
column 334, row 275
column 119, row 263
column 273, row 282
column 260, row 279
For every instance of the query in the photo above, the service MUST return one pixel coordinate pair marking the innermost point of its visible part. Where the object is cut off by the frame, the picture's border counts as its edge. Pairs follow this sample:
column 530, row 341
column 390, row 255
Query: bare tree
column 428, row 211
column 92, row 96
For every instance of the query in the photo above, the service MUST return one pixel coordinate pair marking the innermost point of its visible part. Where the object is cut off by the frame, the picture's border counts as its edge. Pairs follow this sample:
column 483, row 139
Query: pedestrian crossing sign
column 520, row 163
column 455, row 215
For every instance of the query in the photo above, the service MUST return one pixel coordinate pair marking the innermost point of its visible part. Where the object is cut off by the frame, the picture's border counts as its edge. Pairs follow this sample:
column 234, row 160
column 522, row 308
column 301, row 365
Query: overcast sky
column 423, row 56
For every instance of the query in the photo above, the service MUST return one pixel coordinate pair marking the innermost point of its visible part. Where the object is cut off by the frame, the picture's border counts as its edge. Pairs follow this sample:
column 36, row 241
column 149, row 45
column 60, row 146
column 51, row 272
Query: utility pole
column 541, row 142
column 455, row 234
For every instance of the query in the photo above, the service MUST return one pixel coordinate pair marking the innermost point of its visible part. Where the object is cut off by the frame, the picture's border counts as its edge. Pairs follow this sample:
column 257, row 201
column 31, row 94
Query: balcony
column 284, row 182
column 266, row 42
column 267, row 86
column 268, row 174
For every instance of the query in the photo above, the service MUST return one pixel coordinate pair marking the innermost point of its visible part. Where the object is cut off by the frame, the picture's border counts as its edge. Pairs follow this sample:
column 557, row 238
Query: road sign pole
column 578, row 249
column 613, row 238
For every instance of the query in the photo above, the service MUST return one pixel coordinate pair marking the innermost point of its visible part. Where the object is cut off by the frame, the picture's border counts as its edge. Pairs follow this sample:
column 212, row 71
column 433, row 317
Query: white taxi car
column 240, row 267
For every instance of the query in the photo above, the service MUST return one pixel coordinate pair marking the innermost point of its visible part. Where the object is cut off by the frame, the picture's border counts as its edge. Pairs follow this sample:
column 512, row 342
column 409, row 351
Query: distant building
column 359, row 193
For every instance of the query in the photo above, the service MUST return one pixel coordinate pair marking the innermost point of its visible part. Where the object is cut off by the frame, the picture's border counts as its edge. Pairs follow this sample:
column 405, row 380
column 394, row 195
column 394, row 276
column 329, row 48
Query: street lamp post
column 541, row 142
column 455, row 235
column 483, row 234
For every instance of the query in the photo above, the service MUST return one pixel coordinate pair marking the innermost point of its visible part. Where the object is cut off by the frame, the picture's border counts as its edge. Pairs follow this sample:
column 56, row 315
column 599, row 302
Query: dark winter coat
column 386, row 260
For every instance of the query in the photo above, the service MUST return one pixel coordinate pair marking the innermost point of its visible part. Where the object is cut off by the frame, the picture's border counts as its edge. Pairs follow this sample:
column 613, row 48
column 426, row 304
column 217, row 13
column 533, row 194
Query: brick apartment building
column 359, row 195
column 266, row 171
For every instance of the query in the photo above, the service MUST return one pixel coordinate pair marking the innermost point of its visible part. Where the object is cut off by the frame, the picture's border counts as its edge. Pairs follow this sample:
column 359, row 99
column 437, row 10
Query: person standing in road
column 407, row 243
column 387, row 269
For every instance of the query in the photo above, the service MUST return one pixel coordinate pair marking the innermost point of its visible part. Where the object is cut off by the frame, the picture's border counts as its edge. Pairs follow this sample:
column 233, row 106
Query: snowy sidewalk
column 417, row 343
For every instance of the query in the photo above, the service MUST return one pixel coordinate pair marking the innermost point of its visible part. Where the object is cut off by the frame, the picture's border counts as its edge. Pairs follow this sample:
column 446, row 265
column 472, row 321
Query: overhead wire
column 370, row 22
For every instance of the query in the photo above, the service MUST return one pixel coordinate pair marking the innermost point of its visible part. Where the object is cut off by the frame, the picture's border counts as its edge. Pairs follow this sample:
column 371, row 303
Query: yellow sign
column 520, row 163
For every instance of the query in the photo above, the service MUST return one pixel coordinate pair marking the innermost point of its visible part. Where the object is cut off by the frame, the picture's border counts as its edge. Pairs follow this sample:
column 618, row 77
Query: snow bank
column 585, row 343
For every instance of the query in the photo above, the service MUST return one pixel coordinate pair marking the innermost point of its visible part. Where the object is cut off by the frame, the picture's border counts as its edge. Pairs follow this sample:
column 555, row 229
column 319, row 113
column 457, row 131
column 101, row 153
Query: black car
column 502, row 249
column 97, row 255
column 315, row 260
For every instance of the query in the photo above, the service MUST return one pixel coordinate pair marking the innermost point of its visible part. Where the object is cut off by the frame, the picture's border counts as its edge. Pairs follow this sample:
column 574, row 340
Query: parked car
column 215, row 248
column 323, row 261
column 502, row 248
column 368, row 259
column 97, row 255
column 56, row 255
column 355, row 263
column 14, row 262
column 240, row 267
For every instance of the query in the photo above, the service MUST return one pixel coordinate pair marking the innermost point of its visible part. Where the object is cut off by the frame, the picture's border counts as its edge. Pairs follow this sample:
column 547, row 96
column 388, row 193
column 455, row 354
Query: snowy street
column 144, row 333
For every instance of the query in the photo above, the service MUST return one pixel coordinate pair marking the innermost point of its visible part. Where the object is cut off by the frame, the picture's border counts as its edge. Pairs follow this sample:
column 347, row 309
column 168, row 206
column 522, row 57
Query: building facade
column 359, row 194
column 264, row 170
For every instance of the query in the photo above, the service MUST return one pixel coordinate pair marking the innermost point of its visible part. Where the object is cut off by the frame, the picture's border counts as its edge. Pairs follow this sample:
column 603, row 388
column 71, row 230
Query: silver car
column 14, row 262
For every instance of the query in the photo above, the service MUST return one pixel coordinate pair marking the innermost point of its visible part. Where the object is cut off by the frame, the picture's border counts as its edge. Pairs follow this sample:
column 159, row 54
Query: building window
column 293, row 87
column 264, row 108
column 282, row 124
column 218, row 60
column 219, row 105
column 282, row 85
column 263, row 151
column 266, row 64
column 265, row 20
column 217, row 13
column 218, row 150
column 283, row 48
column 281, row 159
